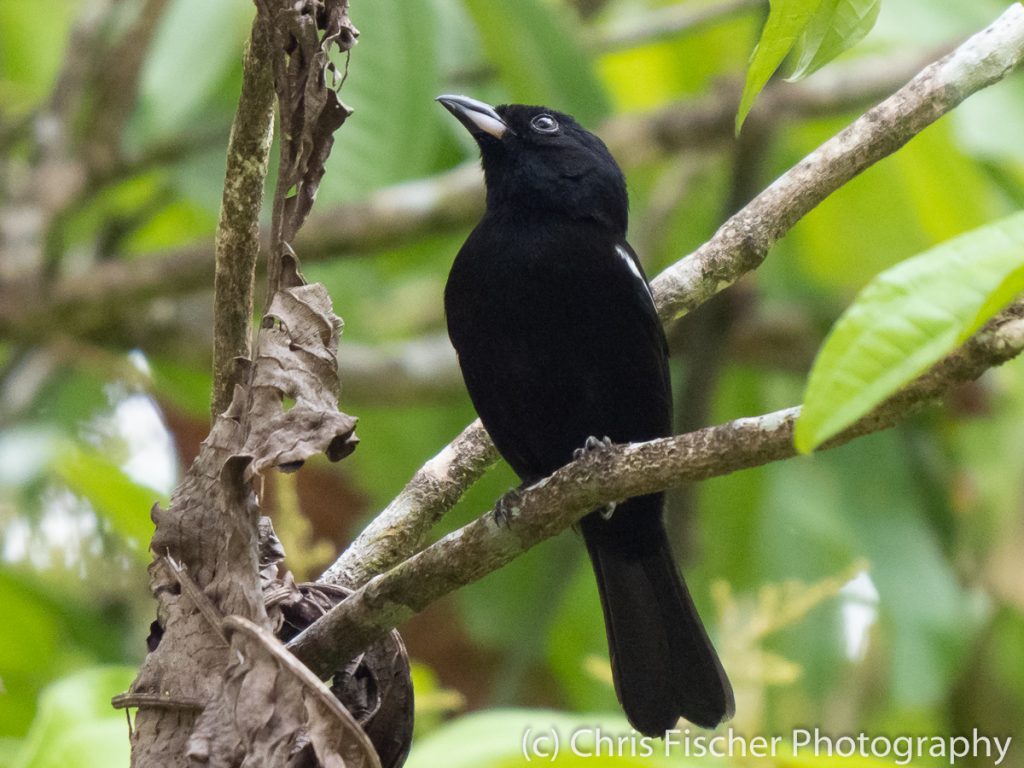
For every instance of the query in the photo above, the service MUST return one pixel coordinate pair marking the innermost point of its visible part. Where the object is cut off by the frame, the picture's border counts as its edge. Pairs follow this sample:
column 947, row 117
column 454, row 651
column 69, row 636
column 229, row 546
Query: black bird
column 559, row 342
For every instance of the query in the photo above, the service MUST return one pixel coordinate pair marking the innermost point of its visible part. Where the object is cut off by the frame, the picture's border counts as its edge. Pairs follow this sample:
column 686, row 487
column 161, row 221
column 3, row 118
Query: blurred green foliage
column 926, row 638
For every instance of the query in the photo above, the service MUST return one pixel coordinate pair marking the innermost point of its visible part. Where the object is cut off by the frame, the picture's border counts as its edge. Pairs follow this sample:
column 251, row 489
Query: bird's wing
column 632, row 261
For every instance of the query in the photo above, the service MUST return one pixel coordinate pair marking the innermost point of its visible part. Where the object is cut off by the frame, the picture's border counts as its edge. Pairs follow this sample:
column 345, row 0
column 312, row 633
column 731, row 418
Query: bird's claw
column 507, row 506
column 593, row 445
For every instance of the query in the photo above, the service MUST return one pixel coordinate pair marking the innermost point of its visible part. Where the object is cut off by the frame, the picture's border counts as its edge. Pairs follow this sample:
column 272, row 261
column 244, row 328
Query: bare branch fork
column 415, row 579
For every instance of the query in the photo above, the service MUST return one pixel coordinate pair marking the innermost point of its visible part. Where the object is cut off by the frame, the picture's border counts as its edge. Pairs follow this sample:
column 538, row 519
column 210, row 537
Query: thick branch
column 238, row 233
column 742, row 242
column 545, row 509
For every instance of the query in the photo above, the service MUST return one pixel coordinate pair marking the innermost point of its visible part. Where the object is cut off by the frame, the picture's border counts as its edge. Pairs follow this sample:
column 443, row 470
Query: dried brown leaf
column 296, row 363
column 376, row 687
column 272, row 707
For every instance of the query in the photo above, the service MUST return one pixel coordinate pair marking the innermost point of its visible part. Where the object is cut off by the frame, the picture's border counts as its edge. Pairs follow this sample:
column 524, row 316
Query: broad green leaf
column 395, row 137
column 539, row 56
column 907, row 319
column 837, row 26
column 76, row 623
column 505, row 738
column 32, row 633
column 9, row 748
column 1003, row 294
column 120, row 500
column 880, row 502
column 786, row 22
column 196, row 45
column 817, row 517
column 182, row 386
column 31, row 50
column 53, row 626
column 926, row 193
column 76, row 727
column 647, row 76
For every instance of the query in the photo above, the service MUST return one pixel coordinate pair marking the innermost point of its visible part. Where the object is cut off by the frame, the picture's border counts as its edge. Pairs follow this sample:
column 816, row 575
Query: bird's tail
column 663, row 663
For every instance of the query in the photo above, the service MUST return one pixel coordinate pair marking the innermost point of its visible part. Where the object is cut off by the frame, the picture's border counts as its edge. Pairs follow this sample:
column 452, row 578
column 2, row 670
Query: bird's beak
column 479, row 118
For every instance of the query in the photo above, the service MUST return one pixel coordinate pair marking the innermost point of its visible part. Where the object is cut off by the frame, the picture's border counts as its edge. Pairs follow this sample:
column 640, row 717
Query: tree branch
column 742, row 242
column 237, row 243
column 623, row 471
column 116, row 82
column 448, row 202
column 405, row 524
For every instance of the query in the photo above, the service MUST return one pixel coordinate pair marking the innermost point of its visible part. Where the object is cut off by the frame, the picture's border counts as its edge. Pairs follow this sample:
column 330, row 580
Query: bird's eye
column 544, row 124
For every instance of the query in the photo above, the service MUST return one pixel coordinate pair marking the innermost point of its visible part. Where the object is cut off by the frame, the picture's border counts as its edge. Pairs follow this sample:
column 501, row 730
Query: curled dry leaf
column 212, row 522
column 275, row 712
column 296, row 363
column 311, row 111
column 375, row 687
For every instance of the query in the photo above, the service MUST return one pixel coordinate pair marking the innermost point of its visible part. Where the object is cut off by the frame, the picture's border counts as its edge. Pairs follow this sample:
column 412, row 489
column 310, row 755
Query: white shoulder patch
column 624, row 255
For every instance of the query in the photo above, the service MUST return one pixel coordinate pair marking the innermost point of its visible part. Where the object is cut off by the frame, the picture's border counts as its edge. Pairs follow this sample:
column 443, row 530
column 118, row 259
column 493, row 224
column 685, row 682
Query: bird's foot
column 593, row 445
column 508, row 505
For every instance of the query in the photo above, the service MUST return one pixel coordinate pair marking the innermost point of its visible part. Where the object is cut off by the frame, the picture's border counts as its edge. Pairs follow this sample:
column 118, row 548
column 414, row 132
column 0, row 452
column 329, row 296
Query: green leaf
column 33, row 633
column 182, row 386
column 907, row 319
column 120, row 500
column 76, row 727
column 814, row 519
column 815, row 31
column 175, row 87
column 397, row 137
column 927, row 193
column 31, row 52
column 837, row 26
column 786, row 22
column 504, row 738
column 538, row 54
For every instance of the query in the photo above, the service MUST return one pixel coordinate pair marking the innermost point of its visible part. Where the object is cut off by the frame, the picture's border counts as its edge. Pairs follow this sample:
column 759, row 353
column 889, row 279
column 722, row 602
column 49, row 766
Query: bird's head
column 537, row 159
